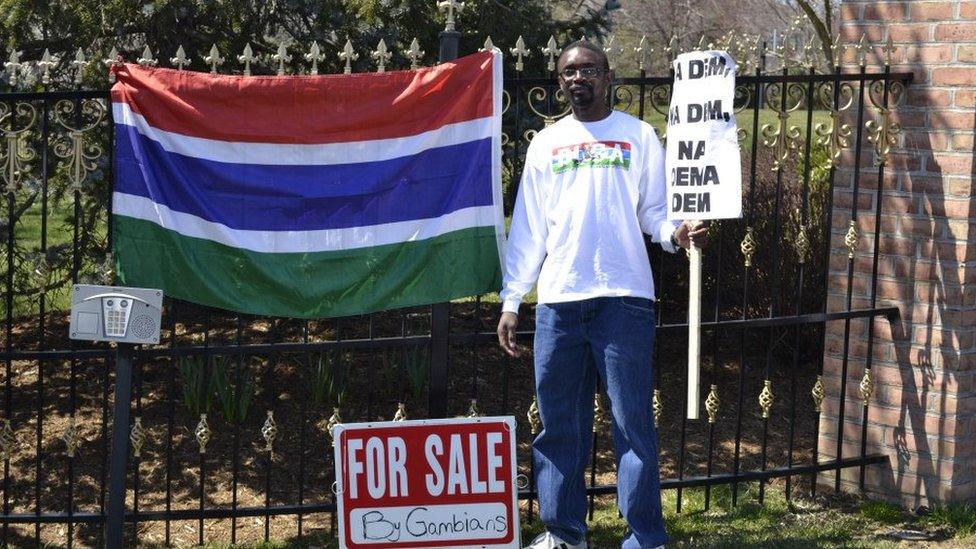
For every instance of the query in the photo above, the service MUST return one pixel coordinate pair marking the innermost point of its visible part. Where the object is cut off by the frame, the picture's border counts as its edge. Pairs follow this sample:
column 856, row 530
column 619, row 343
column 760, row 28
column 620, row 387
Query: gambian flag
column 310, row 196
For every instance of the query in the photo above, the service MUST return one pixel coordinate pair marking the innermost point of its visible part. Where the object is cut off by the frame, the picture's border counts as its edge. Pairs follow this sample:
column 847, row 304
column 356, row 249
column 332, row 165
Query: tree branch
column 822, row 28
column 828, row 14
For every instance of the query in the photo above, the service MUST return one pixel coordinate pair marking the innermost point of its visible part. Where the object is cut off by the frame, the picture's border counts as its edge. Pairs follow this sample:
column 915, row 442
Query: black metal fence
column 228, row 436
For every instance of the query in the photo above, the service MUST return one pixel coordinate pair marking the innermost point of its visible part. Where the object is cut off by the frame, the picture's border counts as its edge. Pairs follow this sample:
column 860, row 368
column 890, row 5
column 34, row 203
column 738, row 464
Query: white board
column 702, row 161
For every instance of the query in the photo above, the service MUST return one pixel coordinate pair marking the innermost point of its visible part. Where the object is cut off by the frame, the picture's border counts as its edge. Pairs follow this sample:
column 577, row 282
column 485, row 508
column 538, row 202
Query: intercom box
column 114, row 313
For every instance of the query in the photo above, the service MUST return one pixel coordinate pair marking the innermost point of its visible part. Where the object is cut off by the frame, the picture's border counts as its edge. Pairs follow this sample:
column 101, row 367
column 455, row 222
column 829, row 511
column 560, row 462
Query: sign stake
column 694, row 329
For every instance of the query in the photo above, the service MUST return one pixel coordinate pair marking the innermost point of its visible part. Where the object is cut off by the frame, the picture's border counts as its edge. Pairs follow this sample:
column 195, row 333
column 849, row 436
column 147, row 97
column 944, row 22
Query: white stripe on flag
column 303, row 154
column 326, row 240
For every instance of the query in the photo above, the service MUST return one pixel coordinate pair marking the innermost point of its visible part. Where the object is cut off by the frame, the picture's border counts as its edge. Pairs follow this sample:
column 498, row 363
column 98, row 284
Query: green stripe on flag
column 306, row 285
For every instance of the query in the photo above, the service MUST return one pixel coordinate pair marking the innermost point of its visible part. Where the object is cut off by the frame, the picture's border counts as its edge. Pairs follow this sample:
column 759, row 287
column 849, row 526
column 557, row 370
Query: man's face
column 583, row 77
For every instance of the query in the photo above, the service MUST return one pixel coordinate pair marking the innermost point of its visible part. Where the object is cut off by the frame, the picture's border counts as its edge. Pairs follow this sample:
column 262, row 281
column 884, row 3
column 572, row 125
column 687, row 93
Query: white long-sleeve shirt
column 588, row 192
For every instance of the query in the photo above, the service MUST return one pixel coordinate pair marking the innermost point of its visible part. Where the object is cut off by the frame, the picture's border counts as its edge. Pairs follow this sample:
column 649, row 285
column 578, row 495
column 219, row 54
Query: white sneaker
column 548, row 540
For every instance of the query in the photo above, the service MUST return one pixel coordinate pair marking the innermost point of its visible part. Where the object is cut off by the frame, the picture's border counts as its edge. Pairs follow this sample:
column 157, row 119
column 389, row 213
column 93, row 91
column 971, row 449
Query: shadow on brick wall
column 927, row 341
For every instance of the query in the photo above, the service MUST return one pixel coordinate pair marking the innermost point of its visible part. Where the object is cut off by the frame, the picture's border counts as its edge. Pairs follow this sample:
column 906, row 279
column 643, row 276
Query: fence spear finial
column 214, row 59
column 862, row 51
column 639, row 50
column 110, row 62
column 489, row 45
column 45, row 64
column 672, row 49
column 147, row 59
column 382, row 55
column 246, row 58
column 808, row 53
column 520, row 52
column 79, row 65
column 414, row 53
column 551, row 51
column 835, row 52
column 180, row 60
column 348, row 54
column 450, row 6
column 314, row 56
column 13, row 65
column 281, row 56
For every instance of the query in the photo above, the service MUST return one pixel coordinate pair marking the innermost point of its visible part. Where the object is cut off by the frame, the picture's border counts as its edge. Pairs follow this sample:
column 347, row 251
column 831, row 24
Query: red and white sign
column 433, row 483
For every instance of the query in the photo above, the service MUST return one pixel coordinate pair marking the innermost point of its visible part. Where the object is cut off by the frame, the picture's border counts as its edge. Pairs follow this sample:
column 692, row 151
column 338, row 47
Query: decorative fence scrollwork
column 782, row 138
column 883, row 133
column 79, row 158
column 836, row 134
column 17, row 153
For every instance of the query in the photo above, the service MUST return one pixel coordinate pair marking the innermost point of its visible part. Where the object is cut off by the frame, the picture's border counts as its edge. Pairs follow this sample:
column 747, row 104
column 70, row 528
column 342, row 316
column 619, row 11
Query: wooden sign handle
column 694, row 329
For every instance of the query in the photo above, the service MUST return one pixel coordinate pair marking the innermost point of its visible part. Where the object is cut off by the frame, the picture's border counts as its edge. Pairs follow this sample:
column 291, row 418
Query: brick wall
column 923, row 412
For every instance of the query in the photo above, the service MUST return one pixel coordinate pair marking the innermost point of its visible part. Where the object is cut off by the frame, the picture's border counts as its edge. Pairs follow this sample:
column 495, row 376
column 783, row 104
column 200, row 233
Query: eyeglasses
column 586, row 72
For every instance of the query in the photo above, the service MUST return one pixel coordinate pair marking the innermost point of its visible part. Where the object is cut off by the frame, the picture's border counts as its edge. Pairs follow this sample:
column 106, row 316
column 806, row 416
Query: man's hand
column 506, row 333
column 691, row 232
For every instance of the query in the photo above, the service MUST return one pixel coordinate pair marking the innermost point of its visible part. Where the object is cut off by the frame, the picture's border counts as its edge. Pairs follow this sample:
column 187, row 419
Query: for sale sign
column 433, row 483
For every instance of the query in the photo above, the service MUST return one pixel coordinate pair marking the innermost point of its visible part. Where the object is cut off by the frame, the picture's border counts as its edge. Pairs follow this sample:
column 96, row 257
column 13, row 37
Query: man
column 592, row 183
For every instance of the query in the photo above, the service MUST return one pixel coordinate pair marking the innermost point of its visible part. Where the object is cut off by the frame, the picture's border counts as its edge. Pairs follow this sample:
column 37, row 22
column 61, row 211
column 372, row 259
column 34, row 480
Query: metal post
column 439, row 328
column 440, row 315
column 448, row 45
column 120, row 445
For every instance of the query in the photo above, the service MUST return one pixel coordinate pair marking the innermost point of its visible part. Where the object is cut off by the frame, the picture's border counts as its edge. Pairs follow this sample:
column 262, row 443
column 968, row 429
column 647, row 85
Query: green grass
column 27, row 233
column 752, row 525
column 749, row 524
column 961, row 518
column 882, row 512
column 58, row 233
column 801, row 523
column 845, row 521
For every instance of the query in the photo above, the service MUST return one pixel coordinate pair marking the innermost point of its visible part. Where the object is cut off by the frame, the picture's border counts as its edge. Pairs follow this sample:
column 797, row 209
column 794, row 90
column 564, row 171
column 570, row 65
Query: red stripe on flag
column 309, row 109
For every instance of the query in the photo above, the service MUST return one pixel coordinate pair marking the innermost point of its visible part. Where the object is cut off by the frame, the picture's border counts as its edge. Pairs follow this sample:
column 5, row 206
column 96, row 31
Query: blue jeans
column 610, row 337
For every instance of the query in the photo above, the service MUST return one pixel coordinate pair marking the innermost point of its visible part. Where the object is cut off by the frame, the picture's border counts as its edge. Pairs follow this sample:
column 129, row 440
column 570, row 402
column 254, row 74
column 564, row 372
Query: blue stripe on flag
column 302, row 198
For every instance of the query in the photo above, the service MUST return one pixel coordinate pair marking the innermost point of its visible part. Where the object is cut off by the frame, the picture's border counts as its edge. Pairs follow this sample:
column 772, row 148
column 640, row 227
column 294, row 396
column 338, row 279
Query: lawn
column 831, row 521
column 827, row 521
column 58, row 232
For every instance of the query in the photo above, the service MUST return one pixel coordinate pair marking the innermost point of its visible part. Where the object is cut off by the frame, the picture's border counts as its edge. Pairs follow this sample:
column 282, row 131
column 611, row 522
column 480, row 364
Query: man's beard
column 584, row 98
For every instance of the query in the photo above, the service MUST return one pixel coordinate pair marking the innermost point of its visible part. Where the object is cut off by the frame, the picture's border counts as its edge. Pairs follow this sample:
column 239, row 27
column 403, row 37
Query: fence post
column 120, row 445
column 440, row 313
column 449, row 40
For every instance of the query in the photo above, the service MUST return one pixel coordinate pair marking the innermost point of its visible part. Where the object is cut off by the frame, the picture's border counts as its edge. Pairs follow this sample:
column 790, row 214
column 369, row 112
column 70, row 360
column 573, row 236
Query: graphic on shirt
column 593, row 154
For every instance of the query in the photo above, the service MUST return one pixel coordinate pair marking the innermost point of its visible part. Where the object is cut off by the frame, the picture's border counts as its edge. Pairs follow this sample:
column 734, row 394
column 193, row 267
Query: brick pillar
column 923, row 411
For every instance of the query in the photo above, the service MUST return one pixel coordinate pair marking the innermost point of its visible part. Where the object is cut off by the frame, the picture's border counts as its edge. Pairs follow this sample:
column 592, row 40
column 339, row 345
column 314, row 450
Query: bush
column 233, row 392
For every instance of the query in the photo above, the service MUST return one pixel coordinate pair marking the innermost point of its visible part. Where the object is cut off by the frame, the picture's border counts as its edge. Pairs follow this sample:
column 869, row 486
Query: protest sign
column 702, row 158
column 435, row 483
column 703, row 169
